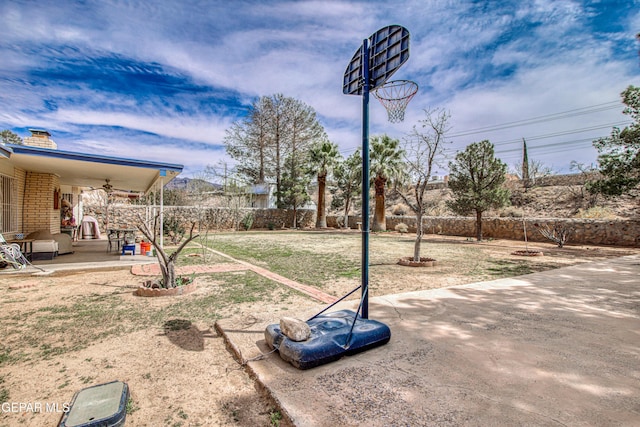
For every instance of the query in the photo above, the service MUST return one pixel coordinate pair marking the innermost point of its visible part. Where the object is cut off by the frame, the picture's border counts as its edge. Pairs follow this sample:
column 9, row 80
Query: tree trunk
column 295, row 215
column 419, row 233
column 171, row 275
column 321, row 219
column 379, row 217
column 478, row 225
column 347, row 204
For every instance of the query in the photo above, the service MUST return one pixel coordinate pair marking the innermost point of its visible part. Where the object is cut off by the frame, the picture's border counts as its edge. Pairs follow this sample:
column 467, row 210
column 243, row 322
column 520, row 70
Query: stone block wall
column 127, row 216
column 583, row 231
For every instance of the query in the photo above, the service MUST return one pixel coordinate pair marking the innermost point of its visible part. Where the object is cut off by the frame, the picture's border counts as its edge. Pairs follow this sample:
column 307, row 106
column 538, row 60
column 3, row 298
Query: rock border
column 527, row 253
column 424, row 262
column 145, row 291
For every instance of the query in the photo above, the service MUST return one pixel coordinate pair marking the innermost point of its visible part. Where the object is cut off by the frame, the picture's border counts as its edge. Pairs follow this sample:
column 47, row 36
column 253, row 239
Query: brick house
column 37, row 179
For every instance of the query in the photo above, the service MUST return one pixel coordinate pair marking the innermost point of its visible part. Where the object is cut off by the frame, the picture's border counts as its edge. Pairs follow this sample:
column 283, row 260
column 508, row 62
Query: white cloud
column 550, row 59
column 199, row 129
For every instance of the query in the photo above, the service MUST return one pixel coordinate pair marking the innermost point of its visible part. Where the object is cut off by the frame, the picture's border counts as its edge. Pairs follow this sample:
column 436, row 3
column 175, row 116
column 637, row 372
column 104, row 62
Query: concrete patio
column 87, row 255
column 560, row 347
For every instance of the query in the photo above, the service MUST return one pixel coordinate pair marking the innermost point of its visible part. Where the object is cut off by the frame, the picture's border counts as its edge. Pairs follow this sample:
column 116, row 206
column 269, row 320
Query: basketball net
column 395, row 96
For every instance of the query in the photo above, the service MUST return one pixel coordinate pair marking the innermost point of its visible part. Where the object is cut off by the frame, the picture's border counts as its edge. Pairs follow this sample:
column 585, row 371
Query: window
column 8, row 205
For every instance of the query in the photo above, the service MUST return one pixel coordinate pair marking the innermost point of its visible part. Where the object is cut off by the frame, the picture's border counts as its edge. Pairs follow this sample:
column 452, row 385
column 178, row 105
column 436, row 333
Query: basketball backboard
column 388, row 50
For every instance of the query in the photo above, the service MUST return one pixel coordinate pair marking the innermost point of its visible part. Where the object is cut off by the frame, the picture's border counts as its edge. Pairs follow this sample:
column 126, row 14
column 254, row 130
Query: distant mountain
column 189, row 184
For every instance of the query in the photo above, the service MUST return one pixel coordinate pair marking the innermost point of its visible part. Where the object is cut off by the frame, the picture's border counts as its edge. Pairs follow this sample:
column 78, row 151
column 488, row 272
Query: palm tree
column 322, row 158
column 386, row 162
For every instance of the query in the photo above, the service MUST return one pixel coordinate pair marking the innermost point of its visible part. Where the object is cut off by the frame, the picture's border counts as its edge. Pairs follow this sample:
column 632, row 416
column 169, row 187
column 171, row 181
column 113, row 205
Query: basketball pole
column 365, row 180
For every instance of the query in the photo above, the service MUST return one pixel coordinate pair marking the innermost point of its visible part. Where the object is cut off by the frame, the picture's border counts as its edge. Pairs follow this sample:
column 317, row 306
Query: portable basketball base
column 344, row 332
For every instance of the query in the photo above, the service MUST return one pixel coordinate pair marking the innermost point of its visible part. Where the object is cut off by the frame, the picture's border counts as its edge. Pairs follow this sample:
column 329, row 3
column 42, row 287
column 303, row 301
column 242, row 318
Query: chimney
column 40, row 138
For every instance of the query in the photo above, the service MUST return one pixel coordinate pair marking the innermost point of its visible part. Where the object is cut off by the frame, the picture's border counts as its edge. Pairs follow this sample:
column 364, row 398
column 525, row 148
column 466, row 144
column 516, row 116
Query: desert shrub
column 401, row 228
column 520, row 198
column 247, row 221
column 511, row 212
column 400, row 209
column 596, row 212
column 559, row 234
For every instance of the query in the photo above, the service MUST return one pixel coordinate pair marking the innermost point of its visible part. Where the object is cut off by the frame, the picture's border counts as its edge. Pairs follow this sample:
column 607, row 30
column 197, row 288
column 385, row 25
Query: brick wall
column 40, row 141
column 38, row 211
column 19, row 179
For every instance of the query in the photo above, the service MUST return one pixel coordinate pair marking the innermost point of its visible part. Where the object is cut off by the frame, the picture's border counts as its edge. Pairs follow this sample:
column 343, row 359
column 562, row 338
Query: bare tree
column 423, row 147
column 535, row 170
column 166, row 261
column 579, row 193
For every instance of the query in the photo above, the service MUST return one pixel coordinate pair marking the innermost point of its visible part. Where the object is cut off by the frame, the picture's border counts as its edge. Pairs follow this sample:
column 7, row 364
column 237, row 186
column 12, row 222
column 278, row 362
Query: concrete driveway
column 560, row 347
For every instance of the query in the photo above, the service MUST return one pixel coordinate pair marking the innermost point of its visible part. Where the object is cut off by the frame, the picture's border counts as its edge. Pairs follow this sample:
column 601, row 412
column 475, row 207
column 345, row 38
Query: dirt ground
column 179, row 372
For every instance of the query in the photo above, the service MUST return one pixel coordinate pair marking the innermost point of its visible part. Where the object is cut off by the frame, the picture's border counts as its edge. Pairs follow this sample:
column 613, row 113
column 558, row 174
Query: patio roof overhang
column 90, row 171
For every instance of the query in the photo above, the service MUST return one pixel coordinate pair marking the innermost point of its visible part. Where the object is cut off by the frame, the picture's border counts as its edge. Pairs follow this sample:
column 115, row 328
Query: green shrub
column 247, row 221
column 173, row 228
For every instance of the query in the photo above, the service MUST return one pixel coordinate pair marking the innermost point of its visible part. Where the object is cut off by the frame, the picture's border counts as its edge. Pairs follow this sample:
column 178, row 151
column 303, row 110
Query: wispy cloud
column 167, row 78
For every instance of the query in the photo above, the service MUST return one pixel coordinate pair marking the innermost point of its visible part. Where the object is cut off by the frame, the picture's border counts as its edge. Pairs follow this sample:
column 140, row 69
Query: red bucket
column 145, row 247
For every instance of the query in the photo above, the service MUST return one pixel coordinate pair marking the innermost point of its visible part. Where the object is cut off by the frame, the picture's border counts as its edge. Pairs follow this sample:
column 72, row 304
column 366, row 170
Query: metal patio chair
column 11, row 254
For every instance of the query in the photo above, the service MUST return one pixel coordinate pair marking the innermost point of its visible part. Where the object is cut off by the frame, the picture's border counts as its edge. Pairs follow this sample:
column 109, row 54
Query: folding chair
column 11, row 254
column 114, row 241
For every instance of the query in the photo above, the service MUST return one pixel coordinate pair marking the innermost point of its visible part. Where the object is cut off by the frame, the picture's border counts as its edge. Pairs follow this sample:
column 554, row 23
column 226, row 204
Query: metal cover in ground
column 101, row 405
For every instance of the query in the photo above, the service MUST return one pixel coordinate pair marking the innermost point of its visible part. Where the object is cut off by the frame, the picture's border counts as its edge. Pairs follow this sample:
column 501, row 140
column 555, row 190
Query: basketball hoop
column 394, row 96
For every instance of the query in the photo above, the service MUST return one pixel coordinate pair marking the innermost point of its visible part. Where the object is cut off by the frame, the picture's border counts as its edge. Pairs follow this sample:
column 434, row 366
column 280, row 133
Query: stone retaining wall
column 583, row 231
column 127, row 216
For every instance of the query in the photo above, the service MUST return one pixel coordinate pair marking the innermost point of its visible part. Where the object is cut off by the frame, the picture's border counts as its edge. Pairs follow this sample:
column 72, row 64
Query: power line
column 541, row 119
column 552, row 144
column 563, row 133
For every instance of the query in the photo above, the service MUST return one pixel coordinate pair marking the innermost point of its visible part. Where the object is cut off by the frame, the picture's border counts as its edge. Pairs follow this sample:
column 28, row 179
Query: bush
column 596, row 212
column 247, row 221
column 401, row 228
column 399, row 209
column 558, row 234
column 174, row 228
column 511, row 212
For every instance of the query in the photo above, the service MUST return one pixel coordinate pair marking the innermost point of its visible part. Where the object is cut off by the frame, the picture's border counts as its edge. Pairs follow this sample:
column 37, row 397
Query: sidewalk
column 560, row 347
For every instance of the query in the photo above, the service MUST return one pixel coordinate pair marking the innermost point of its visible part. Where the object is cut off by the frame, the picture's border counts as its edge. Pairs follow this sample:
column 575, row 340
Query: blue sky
column 163, row 80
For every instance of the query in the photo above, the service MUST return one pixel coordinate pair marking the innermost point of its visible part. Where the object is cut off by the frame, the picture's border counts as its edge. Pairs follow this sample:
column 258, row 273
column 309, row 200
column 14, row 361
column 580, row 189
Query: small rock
column 295, row 329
